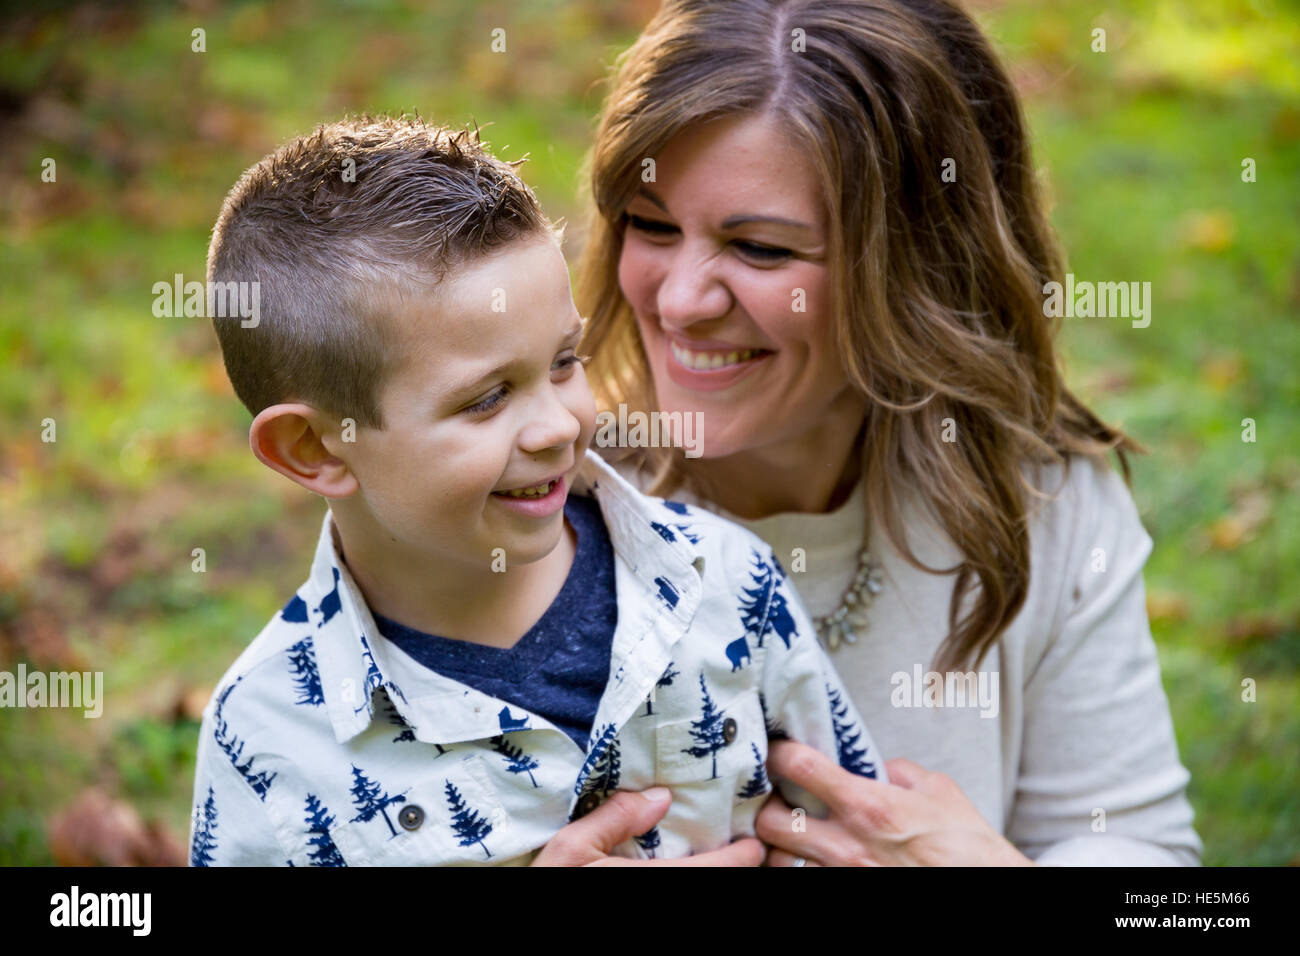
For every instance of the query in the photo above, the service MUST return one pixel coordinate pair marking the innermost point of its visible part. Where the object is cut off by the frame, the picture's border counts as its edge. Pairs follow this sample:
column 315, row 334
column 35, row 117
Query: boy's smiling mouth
column 532, row 491
column 535, row 501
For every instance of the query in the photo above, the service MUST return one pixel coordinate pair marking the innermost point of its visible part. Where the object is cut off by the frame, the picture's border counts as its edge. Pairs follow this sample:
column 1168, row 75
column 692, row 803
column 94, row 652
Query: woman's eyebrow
column 731, row 222
column 648, row 194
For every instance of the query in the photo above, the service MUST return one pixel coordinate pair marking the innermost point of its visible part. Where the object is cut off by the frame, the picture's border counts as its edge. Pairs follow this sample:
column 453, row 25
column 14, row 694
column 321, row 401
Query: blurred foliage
column 1141, row 146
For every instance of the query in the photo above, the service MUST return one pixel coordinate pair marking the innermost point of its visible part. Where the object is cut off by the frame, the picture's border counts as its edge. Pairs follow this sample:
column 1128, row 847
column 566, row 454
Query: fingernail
column 657, row 794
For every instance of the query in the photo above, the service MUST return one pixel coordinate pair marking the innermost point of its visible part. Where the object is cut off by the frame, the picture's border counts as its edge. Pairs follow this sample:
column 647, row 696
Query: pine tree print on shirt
column 368, row 800
column 601, row 765
column 233, row 747
column 516, row 760
column 707, row 731
column 605, row 770
column 649, row 841
column 374, row 680
column 677, row 508
column 663, row 531
column 319, row 822
column 205, row 833
column 773, row 727
column 306, row 677
column 389, row 710
column 758, row 784
column 852, row 757
column 665, row 680
column 685, row 531
column 330, row 605
column 465, row 821
column 763, row 608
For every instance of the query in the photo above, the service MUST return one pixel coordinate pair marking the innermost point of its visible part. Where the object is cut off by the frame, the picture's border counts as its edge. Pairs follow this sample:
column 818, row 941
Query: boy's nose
column 551, row 425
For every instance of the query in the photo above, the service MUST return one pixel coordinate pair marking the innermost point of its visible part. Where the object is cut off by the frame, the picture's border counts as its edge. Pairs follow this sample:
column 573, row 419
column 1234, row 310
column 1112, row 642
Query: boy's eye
column 565, row 362
column 488, row 403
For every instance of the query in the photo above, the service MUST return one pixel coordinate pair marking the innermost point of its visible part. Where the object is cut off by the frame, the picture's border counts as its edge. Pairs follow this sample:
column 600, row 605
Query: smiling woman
column 694, row 254
column 838, row 262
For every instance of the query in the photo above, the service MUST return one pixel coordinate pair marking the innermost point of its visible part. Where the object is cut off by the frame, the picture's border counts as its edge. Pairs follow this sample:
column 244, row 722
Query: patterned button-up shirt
column 326, row 745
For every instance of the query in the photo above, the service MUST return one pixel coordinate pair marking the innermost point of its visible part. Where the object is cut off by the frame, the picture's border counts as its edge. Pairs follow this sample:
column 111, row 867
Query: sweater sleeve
column 1100, row 782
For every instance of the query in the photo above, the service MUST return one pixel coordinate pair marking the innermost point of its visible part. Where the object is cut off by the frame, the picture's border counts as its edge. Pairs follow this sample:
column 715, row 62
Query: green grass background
column 1142, row 148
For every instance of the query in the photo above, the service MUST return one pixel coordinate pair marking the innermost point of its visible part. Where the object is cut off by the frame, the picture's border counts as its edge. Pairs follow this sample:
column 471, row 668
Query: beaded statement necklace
column 862, row 590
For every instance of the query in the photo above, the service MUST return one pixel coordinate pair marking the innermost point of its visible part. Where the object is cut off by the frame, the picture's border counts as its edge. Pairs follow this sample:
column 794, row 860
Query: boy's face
column 489, row 398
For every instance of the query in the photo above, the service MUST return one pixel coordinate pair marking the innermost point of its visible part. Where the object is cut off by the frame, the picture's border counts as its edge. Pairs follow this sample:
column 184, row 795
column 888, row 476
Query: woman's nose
column 691, row 290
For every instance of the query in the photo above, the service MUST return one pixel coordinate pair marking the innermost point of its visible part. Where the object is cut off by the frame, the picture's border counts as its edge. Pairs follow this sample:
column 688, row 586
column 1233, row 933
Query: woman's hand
column 920, row 818
column 587, row 841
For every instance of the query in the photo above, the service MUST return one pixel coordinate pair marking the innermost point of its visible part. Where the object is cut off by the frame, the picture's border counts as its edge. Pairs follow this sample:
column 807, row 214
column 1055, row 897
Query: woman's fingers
column 904, row 773
column 623, row 816
column 820, row 775
column 627, row 813
column 777, row 857
column 819, row 842
column 745, row 852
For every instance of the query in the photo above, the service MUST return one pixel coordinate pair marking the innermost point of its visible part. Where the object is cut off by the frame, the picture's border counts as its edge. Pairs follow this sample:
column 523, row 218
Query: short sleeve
column 1100, row 781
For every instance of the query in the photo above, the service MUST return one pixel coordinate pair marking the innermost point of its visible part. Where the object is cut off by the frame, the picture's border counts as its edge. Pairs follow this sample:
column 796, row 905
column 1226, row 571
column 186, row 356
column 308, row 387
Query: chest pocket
column 451, row 817
column 714, row 746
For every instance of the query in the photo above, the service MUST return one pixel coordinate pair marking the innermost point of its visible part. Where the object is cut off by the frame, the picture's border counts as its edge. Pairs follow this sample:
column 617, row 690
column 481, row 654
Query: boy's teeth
column 711, row 360
column 536, row 491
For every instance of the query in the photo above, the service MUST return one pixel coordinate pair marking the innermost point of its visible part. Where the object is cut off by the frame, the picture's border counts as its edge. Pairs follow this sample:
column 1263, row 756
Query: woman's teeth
column 708, row 360
column 536, row 491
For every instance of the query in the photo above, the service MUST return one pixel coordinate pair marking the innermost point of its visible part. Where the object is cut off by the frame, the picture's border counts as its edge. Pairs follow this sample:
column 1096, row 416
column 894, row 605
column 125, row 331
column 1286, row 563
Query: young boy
column 498, row 631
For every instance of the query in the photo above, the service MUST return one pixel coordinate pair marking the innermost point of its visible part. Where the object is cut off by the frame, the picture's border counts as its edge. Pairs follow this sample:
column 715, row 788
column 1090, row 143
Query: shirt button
column 411, row 816
column 729, row 729
column 586, row 803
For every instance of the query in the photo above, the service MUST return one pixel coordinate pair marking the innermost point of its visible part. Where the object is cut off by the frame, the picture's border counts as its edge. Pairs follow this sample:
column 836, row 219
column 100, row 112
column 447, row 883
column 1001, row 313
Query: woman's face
column 724, row 265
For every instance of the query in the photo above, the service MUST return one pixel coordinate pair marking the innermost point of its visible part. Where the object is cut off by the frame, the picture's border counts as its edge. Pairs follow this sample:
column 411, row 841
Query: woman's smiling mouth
column 712, row 366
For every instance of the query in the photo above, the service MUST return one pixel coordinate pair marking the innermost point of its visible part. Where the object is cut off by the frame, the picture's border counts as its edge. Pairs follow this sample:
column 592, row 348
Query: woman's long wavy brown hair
column 939, row 312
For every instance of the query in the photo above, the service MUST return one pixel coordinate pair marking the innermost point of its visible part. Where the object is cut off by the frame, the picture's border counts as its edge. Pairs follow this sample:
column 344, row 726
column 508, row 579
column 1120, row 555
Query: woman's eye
column 652, row 226
column 487, row 404
column 765, row 253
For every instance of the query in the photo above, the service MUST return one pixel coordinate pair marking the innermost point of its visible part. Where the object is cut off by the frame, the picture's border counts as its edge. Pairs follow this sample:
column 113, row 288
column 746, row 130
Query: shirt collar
column 658, row 575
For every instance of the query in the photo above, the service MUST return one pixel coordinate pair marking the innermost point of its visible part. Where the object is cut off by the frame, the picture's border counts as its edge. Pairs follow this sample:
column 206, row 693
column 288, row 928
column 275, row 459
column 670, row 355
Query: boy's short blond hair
column 330, row 224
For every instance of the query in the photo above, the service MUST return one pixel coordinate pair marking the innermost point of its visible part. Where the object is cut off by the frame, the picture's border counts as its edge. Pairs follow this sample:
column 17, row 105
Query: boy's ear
column 287, row 438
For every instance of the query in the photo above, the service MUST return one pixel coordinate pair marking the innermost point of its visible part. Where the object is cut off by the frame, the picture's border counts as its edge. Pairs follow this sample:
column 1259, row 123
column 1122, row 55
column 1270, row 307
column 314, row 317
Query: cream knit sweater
column 1071, row 752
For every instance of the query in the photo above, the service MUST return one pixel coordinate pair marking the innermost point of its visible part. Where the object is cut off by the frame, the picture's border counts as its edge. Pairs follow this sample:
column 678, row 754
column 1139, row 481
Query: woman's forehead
column 743, row 165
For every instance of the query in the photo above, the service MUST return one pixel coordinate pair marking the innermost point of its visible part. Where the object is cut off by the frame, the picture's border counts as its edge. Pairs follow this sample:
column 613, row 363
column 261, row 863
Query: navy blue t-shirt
column 559, row 669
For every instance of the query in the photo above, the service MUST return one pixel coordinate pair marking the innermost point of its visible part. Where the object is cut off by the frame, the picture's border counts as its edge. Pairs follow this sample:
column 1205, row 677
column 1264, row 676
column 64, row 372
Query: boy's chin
column 528, row 548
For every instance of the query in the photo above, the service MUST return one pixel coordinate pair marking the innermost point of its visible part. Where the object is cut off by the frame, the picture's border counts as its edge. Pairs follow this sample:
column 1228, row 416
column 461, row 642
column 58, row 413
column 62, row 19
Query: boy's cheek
column 585, row 412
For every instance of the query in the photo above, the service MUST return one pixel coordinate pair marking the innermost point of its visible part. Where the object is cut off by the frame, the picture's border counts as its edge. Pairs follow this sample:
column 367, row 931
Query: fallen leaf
column 1208, row 231
column 1166, row 606
column 190, row 703
column 1250, row 510
column 1222, row 371
column 1252, row 627
column 96, row 830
